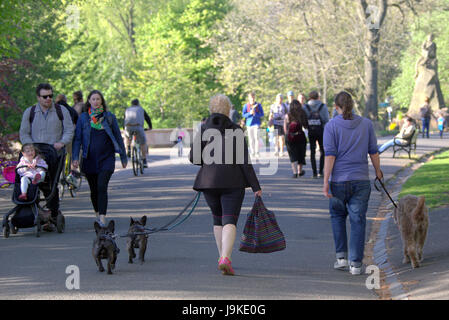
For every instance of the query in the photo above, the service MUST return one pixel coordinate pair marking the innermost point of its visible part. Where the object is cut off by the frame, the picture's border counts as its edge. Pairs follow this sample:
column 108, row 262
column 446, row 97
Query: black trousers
column 225, row 204
column 315, row 138
column 98, row 184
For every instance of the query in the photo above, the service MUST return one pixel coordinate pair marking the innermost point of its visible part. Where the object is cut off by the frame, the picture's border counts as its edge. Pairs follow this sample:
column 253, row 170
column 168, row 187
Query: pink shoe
column 36, row 179
column 224, row 264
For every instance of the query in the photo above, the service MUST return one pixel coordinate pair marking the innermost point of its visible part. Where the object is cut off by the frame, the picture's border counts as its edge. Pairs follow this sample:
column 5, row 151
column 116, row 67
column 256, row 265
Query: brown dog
column 137, row 239
column 104, row 246
column 412, row 219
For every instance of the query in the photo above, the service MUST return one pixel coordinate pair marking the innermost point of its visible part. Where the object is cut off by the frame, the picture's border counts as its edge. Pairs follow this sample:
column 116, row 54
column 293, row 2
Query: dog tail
column 418, row 213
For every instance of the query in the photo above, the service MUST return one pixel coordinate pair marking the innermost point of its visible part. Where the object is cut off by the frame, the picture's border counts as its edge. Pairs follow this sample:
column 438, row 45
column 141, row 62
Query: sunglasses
column 48, row 96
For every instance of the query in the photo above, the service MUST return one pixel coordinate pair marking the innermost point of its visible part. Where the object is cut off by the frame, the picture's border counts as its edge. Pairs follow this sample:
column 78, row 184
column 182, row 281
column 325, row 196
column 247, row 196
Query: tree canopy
column 174, row 55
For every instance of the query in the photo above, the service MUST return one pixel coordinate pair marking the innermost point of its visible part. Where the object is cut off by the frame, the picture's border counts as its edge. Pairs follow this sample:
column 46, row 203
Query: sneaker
column 355, row 270
column 145, row 165
column 225, row 266
column 36, row 179
column 341, row 264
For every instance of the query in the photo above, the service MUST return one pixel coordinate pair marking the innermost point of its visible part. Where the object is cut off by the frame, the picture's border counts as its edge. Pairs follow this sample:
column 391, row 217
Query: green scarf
column 96, row 117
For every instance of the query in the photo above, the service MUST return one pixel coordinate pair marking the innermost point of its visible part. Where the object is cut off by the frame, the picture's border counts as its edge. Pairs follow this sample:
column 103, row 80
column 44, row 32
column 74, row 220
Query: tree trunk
column 373, row 18
column 371, row 76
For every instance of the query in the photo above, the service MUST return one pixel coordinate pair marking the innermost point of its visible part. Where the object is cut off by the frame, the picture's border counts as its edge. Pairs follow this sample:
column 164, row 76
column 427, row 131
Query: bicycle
column 136, row 155
column 69, row 179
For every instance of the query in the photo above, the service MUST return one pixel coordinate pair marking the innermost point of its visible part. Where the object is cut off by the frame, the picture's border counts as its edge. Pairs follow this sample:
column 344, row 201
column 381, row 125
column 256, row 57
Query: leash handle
column 385, row 189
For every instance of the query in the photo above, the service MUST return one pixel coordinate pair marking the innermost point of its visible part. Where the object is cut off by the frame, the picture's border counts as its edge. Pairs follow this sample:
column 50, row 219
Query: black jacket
column 232, row 170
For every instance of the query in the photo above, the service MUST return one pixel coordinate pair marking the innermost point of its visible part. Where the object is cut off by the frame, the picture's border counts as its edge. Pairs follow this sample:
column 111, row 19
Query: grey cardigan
column 47, row 129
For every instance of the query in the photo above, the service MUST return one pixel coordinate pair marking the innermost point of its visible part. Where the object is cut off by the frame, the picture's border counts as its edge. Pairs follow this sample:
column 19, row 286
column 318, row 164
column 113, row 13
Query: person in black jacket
column 225, row 173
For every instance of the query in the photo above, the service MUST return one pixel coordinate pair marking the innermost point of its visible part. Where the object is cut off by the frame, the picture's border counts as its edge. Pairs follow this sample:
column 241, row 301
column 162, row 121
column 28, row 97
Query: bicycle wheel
column 135, row 160
column 61, row 186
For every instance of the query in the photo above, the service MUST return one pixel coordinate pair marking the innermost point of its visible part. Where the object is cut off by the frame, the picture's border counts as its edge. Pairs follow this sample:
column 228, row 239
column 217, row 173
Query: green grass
column 432, row 181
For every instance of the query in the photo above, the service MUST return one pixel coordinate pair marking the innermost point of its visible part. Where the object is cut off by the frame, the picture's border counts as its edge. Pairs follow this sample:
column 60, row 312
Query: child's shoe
column 23, row 197
column 36, row 179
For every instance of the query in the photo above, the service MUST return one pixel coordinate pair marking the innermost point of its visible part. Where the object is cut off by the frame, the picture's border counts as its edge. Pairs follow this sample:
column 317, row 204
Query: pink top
column 31, row 172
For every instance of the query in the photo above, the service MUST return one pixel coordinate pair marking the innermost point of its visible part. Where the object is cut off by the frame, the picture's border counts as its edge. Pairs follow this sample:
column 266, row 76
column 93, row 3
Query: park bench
column 409, row 146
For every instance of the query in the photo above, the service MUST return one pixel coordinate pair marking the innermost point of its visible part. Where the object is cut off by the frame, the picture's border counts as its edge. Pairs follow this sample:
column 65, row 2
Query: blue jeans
column 425, row 126
column 349, row 198
column 387, row 145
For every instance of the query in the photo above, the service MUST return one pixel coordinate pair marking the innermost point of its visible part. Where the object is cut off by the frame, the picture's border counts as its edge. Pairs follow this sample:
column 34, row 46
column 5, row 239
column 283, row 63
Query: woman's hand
column 258, row 193
column 379, row 174
column 326, row 189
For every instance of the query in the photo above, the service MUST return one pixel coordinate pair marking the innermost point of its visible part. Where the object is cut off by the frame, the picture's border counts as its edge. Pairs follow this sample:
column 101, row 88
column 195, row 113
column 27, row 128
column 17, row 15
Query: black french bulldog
column 104, row 246
column 137, row 239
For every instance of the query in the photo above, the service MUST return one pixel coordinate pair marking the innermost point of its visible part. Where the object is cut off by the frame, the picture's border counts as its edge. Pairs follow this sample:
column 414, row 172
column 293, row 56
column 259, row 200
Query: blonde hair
column 220, row 104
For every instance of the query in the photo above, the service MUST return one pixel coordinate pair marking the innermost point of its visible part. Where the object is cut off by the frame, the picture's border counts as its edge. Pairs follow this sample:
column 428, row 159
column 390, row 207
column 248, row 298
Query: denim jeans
column 388, row 144
column 349, row 198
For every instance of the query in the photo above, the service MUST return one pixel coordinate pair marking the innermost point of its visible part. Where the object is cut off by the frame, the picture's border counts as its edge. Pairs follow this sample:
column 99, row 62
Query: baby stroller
column 29, row 213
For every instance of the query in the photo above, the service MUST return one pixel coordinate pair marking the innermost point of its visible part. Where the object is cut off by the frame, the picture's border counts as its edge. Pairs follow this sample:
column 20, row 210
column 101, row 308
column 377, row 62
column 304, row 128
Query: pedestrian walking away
column 253, row 112
column 223, row 181
column 441, row 121
column 425, row 113
column 278, row 110
column 134, row 122
column 51, row 124
column 317, row 117
column 348, row 139
column 295, row 139
column 98, row 136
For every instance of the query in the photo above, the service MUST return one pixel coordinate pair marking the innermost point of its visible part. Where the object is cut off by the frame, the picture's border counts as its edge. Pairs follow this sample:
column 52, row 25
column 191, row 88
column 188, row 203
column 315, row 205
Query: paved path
column 182, row 263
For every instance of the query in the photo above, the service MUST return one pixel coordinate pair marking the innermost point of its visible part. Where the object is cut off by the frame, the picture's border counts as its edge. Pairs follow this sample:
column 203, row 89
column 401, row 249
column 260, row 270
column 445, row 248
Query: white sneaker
column 355, row 270
column 341, row 264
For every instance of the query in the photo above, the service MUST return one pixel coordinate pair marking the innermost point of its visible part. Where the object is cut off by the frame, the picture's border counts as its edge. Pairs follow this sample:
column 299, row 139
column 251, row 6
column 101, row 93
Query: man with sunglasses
column 50, row 124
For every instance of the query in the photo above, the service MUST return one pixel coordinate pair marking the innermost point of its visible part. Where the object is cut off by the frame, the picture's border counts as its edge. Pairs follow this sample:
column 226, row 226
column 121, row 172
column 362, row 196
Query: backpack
column 294, row 132
column 314, row 120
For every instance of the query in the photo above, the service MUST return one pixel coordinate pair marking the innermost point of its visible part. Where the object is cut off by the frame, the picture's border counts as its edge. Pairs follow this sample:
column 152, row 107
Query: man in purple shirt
column 348, row 140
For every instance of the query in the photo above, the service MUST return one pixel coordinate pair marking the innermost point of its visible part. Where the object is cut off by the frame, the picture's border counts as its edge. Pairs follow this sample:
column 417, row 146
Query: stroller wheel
column 6, row 231
column 14, row 229
column 60, row 223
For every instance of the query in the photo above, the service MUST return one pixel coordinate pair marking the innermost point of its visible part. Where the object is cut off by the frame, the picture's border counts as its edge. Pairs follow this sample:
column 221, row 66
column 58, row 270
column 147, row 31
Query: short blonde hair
column 220, row 104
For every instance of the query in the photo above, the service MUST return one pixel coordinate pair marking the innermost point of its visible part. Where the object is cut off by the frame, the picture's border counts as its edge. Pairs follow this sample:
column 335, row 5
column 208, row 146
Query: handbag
column 261, row 233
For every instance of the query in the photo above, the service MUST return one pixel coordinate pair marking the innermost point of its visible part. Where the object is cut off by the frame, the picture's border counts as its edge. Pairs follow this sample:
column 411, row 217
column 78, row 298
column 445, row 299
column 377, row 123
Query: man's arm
column 147, row 119
column 25, row 128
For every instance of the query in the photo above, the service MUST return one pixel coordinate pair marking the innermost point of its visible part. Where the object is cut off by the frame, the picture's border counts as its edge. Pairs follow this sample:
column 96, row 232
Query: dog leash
column 166, row 227
column 385, row 189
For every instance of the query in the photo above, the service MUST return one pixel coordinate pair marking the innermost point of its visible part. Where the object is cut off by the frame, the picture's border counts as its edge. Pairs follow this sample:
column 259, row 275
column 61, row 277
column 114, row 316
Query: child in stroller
column 31, row 168
column 28, row 213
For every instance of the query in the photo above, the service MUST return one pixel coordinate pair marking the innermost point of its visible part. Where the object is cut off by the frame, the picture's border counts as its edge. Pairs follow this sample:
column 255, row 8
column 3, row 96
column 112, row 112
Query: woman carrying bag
column 223, row 177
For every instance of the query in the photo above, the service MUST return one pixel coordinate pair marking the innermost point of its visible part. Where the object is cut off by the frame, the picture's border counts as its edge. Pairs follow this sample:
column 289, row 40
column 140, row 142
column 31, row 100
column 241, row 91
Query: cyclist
column 134, row 122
